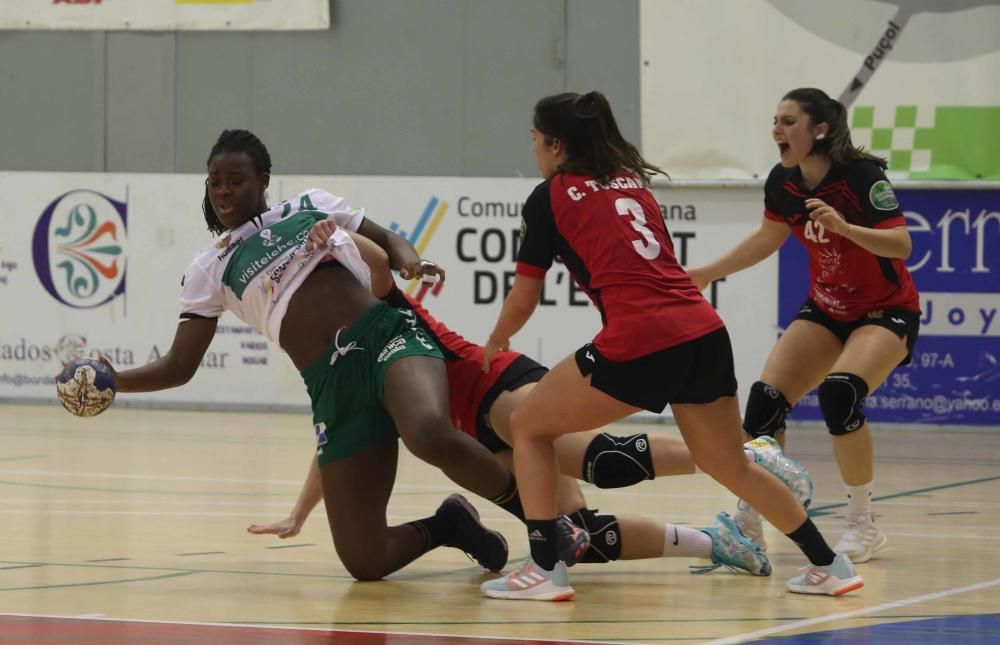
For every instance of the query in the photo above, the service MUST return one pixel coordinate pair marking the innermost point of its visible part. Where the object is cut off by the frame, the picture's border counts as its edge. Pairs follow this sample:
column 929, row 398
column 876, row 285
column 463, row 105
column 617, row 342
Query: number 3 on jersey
column 649, row 250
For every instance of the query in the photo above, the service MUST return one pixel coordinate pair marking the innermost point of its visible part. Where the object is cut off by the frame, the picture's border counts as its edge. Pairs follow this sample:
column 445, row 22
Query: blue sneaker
column 768, row 454
column 835, row 579
column 531, row 582
column 733, row 550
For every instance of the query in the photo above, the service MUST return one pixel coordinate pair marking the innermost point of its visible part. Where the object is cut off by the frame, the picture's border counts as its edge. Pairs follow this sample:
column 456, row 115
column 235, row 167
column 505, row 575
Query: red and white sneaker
column 531, row 582
column 835, row 579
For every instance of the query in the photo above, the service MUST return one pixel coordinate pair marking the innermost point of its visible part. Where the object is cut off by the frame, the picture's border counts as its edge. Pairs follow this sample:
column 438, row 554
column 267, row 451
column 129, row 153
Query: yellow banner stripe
column 425, row 239
column 435, row 221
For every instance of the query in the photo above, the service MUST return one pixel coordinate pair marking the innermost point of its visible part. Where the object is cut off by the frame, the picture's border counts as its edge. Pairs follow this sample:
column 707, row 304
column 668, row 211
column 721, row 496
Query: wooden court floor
column 139, row 515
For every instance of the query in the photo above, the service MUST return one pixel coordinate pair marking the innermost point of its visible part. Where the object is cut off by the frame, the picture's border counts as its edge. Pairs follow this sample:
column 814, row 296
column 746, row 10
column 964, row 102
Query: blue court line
column 818, row 511
column 977, row 629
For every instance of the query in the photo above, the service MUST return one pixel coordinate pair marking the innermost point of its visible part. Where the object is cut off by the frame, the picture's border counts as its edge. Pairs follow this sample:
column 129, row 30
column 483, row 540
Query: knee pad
column 616, row 462
column 842, row 399
column 766, row 410
column 605, row 535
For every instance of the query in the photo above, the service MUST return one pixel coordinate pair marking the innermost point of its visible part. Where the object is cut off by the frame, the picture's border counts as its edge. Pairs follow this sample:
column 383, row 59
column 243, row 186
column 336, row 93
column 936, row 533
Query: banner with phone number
column 954, row 378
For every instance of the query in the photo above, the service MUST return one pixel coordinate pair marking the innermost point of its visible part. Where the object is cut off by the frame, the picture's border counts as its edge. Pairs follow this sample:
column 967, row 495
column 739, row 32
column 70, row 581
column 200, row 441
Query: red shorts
column 472, row 392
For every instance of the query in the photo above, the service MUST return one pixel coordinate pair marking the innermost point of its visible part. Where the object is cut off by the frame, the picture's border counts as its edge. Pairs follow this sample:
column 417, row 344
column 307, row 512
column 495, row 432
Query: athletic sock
column 859, row 499
column 435, row 530
column 542, row 538
column 510, row 501
column 686, row 542
column 810, row 541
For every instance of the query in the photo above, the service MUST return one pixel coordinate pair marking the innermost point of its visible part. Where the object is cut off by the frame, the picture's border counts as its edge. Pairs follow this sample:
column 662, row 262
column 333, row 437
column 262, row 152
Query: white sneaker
column 835, row 579
column 861, row 538
column 531, row 582
column 750, row 524
column 768, row 454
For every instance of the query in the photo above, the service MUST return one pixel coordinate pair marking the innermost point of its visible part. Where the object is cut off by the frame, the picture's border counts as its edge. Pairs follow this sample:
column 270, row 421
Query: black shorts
column 698, row 371
column 522, row 371
column 905, row 324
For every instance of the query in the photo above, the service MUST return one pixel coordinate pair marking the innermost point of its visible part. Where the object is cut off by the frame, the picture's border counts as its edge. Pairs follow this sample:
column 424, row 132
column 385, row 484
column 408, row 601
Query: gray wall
column 399, row 87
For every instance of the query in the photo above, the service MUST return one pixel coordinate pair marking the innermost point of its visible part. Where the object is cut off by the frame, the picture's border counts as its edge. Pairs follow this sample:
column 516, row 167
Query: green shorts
column 345, row 383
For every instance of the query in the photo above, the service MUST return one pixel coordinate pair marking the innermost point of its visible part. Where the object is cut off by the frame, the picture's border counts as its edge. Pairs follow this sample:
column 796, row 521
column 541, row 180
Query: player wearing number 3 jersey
column 661, row 342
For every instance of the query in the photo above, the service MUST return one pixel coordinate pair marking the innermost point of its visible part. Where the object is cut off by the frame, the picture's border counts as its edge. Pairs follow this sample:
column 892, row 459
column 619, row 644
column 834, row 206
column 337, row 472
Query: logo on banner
column 78, row 248
column 931, row 142
column 420, row 237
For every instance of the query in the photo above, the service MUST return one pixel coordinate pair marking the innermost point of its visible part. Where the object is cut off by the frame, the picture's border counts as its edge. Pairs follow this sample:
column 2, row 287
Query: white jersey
column 254, row 269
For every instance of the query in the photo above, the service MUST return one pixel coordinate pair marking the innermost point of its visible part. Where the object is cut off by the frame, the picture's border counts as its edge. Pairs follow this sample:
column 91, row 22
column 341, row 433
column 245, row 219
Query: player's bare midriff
column 329, row 299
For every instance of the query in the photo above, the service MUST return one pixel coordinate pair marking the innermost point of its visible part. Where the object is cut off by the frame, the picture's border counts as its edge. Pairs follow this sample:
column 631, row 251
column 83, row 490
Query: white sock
column 859, row 499
column 685, row 542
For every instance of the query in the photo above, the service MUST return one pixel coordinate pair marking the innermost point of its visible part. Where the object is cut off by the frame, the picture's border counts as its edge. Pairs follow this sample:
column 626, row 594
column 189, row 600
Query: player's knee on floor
column 842, row 399
column 616, row 462
column 766, row 411
column 605, row 535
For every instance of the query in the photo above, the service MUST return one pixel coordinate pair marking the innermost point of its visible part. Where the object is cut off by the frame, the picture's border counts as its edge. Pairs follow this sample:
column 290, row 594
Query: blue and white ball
column 86, row 387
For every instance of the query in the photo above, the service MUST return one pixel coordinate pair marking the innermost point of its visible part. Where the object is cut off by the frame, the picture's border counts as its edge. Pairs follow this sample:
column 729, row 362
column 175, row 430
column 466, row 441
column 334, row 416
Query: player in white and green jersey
column 371, row 374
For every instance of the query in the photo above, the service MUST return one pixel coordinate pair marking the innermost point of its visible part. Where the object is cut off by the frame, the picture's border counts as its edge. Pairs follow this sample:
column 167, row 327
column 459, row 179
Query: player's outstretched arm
column 403, row 256
column 755, row 248
column 517, row 309
column 178, row 365
column 311, row 495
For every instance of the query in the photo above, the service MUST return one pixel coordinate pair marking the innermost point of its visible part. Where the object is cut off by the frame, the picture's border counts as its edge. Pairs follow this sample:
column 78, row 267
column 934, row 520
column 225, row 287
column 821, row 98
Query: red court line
column 25, row 630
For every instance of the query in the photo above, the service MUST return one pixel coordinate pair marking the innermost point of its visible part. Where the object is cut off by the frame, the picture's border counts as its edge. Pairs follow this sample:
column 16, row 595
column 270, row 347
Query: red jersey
column 612, row 239
column 846, row 281
column 467, row 383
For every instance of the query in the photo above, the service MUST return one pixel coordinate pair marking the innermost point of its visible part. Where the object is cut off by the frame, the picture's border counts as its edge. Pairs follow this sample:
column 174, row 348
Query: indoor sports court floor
column 129, row 528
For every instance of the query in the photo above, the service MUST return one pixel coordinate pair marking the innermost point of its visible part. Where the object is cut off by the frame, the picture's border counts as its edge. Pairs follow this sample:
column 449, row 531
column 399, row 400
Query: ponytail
column 594, row 145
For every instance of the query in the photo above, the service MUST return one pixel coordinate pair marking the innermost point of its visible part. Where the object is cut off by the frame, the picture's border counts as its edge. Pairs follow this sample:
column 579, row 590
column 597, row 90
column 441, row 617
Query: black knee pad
column 766, row 410
column 842, row 399
column 605, row 535
column 616, row 462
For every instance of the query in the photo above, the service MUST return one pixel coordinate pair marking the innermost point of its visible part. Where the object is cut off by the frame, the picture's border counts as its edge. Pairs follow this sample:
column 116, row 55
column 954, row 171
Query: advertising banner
column 955, row 374
column 918, row 78
column 92, row 264
column 165, row 15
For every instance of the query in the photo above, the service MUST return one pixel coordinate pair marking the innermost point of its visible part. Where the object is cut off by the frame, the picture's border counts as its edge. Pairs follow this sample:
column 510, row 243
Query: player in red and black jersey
column 481, row 404
column 861, row 317
column 661, row 342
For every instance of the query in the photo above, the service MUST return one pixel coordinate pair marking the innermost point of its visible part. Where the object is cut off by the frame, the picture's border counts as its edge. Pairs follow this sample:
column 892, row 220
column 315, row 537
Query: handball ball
column 86, row 387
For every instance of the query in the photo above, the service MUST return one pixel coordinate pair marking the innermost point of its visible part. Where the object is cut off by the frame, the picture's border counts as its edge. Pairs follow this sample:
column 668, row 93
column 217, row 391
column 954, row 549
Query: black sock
column 435, row 530
column 808, row 538
column 509, row 500
column 542, row 538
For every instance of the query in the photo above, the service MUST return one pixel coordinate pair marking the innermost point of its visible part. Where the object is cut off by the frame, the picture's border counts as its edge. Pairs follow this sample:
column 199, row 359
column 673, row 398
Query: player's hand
column 699, row 277
column 285, row 528
column 828, row 216
column 423, row 269
column 320, row 234
column 493, row 346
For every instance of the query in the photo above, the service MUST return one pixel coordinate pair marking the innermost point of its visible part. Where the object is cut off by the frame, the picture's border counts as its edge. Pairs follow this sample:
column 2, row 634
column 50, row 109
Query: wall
column 437, row 87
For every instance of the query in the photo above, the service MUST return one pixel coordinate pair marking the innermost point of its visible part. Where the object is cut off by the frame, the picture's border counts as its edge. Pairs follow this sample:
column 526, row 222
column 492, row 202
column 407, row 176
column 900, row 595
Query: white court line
column 519, row 639
column 742, row 638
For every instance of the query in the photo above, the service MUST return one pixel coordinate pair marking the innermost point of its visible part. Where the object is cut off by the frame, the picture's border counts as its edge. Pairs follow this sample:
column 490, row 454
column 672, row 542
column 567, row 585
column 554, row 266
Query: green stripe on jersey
column 261, row 250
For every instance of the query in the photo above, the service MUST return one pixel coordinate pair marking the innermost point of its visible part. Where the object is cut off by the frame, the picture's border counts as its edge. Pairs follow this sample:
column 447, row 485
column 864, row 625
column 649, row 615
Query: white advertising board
column 919, row 78
column 92, row 263
column 165, row 15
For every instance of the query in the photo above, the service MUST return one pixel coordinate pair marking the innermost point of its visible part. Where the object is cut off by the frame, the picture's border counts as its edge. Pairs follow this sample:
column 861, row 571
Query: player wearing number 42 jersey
column 861, row 316
column 661, row 342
